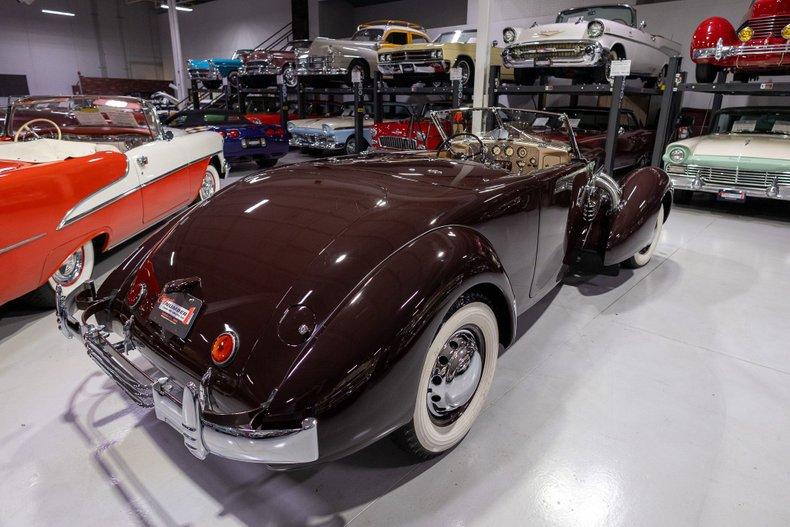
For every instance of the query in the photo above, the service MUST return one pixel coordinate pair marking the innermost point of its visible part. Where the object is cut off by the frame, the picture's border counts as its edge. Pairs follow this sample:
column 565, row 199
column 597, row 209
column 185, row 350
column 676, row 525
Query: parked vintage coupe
column 747, row 153
column 328, row 59
column 634, row 145
column 333, row 134
column 211, row 72
column 243, row 139
column 431, row 62
column 760, row 45
column 83, row 174
column 582, row 44
column 261, row 67
column 368, row 295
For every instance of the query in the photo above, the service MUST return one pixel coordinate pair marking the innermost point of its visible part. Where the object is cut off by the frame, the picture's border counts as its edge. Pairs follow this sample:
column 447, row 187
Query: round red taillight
column 224, row 348
column 136, row 294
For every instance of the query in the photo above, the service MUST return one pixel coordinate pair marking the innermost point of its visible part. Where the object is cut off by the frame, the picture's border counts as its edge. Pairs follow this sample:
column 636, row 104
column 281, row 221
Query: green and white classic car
column 747, row 153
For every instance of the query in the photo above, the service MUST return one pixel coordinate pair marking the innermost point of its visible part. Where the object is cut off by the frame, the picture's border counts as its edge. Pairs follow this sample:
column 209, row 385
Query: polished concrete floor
column 657, row 397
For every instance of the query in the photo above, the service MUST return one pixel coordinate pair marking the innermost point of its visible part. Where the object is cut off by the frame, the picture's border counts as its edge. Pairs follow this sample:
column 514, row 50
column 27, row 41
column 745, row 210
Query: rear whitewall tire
column 424, row 435
column 87, row 259
column 207, row 188
column 643, row 257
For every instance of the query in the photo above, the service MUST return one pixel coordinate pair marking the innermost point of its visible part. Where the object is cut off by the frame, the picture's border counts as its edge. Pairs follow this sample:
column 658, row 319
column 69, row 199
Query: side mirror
column 621, row 130
column 643, row 24
column 494, row 43
column 168, row 135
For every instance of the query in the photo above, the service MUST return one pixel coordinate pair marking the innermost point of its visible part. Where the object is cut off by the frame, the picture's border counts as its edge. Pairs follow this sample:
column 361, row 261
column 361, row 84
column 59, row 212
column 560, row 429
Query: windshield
column 757, row 122
column 544, row 128
column 466, row 36
column 82, row 117
column 368, row 35
column 622, row 14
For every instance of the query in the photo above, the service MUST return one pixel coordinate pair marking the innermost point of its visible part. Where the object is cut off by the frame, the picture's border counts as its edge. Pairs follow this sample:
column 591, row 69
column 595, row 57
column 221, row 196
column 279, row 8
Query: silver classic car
column 331, row 59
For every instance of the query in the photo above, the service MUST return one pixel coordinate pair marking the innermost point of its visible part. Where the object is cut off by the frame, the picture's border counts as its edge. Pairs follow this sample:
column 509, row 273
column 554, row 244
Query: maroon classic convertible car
column 367, row 295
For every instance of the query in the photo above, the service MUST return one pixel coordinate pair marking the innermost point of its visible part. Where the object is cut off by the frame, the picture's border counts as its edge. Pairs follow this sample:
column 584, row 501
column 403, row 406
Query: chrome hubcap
column 289, row 77
column 71, row 269
column 207, row 187
column 456, row 373
column 464, row 72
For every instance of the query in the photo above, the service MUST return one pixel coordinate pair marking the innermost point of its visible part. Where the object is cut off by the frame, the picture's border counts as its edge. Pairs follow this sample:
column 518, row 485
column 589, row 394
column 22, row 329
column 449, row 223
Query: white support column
column 482, row 59
column 178, row 59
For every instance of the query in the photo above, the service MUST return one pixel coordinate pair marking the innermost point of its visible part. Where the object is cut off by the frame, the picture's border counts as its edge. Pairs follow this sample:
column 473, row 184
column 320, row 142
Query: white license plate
column 732, row 195
column 254, row 143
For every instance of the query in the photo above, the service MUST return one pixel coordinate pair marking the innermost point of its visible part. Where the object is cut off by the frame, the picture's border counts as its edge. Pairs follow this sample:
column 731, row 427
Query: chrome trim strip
column 66, row 221
column 20, row 244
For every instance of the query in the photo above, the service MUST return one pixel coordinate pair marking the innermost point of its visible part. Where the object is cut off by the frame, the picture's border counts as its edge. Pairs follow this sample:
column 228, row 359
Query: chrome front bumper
column 181, row 406
column 409, row 67
column 553, row 54
column 259, row 69
column 774, row 189
column 315, row 141
column 722, row 52
column 205, row 75
column 318, row 66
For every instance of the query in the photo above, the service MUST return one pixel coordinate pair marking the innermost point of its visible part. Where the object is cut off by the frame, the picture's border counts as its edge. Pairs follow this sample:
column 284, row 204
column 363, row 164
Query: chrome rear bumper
column 181, row 406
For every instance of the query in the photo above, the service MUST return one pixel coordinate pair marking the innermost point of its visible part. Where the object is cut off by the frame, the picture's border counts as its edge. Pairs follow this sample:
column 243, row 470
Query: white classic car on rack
column 747, row 153
column 583, row 42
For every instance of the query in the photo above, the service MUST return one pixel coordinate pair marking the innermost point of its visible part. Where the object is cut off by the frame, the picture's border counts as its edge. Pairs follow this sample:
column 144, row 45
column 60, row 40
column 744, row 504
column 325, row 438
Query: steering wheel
column 447, row 145
column 26, row 126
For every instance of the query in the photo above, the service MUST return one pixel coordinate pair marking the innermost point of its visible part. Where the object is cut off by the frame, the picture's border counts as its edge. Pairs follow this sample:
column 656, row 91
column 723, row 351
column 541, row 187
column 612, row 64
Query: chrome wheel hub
column 207, row 187
column 456, row 373
column 71, row 269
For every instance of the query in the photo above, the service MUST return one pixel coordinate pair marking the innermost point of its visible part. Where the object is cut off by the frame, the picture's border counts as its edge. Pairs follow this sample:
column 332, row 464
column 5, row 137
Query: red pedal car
column 759, row 46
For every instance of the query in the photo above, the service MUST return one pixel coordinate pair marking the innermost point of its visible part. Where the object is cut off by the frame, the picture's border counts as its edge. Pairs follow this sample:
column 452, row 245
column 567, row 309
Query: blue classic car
column 210, row 72
column 335, row 133
column 244, row 140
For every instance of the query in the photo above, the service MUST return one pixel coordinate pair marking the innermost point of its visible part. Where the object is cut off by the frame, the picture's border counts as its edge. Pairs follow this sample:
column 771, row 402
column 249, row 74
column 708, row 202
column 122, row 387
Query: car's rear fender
column 359, row 373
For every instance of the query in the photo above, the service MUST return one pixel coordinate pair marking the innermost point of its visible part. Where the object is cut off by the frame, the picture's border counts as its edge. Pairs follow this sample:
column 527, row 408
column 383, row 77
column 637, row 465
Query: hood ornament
column 547, row 33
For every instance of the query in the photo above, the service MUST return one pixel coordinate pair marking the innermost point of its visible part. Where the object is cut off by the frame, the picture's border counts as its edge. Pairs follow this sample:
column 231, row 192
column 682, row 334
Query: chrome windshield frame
column 434, row 115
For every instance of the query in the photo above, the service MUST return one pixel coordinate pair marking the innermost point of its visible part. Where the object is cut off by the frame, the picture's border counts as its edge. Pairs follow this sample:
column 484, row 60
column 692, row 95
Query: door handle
column 142, row 161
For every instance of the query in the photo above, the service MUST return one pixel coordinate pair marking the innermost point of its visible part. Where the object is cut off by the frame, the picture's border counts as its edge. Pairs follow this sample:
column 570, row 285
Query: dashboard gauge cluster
column 510, row 154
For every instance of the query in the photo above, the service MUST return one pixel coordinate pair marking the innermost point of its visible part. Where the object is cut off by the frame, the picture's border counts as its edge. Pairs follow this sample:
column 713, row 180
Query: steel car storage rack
column 452, row 92
column 618, row 89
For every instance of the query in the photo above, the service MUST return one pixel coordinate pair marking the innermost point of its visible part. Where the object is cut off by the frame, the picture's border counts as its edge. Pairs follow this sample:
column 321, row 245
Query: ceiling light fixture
column 178, row 8
column 53, row 12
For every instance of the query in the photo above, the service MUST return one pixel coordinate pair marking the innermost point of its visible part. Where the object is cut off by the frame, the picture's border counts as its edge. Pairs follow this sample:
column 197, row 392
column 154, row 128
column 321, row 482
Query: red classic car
column 415, row 133
column 369, row 295
column 759, row 45
column 84, row 173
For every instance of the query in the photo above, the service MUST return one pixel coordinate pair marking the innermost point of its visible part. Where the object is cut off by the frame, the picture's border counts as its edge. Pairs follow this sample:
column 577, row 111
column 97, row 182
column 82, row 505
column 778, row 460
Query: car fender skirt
column 359, row 373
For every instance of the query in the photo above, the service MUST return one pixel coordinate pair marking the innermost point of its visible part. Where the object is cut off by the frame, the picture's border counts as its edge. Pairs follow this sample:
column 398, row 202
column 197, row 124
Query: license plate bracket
column 176, row 312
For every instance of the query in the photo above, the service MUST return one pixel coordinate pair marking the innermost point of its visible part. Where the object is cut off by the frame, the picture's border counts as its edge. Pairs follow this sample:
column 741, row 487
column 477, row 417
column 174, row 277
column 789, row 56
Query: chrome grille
column 403, row 56
column 401, row 143
column 547, row 50
column 737, row 177
column 770, row 26
column 313, row 62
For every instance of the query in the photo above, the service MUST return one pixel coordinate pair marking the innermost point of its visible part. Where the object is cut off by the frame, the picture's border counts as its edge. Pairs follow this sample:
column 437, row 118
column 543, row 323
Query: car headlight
column 677, row 155
column 437, row 53
column 595, row 29
column 387, row 57
column 291, row 126
column 508, row 35
column 745, row 34
column 326, row 129
column 786, row 32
